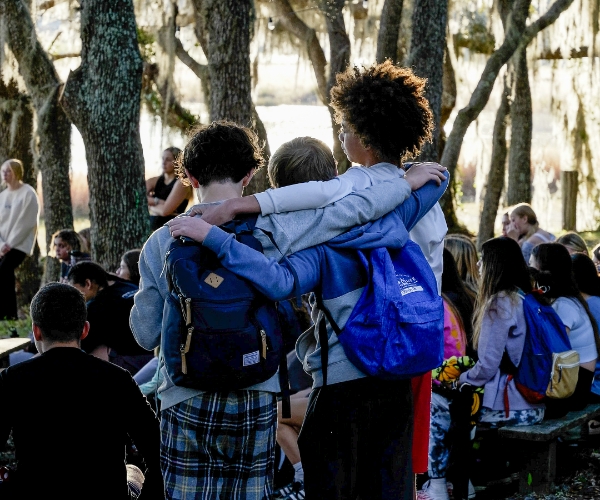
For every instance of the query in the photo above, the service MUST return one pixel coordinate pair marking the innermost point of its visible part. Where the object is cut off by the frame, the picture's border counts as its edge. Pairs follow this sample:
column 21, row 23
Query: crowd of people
column 349, row 434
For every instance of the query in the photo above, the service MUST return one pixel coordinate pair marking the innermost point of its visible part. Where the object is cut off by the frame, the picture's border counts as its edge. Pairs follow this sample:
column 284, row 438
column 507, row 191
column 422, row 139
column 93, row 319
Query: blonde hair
column 464, row 252
column 17, row 167
column 300, row 160
column 525, row 210
column 573, row 241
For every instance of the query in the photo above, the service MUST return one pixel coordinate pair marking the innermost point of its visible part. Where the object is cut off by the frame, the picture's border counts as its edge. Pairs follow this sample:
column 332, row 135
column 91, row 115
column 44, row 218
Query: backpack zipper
column 185, row 347
column 165, row 264
column 263, row 336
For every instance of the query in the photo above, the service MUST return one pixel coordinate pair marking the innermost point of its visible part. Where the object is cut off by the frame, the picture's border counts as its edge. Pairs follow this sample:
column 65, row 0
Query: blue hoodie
column 333, row 269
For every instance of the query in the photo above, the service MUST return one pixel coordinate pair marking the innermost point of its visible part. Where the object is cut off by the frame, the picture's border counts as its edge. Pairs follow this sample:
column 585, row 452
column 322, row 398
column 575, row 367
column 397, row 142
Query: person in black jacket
column 108, row 308
column 71, row 414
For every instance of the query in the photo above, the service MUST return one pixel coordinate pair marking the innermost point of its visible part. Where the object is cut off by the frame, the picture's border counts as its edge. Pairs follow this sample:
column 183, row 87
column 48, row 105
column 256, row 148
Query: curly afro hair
column 220, row 152
column 385, row 108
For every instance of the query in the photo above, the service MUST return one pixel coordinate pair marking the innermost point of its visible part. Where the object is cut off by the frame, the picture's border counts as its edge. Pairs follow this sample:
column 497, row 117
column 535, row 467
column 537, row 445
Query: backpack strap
column 323, row 338
column 284, row 384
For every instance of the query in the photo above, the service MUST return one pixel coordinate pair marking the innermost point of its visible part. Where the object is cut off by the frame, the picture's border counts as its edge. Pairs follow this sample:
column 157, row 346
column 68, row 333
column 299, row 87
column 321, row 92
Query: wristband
column 155, row 201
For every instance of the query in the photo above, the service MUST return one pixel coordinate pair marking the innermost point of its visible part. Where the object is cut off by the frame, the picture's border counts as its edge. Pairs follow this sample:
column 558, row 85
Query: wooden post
column 570, row 186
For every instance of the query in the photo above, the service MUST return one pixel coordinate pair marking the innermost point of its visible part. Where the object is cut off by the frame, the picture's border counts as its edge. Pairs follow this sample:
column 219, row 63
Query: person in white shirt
column 19, row 213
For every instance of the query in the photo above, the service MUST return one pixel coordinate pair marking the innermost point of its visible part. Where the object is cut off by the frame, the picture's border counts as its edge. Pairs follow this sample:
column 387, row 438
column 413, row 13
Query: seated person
column 69, row 248
column 71, row 415
column 499, row 336
column 110, row 337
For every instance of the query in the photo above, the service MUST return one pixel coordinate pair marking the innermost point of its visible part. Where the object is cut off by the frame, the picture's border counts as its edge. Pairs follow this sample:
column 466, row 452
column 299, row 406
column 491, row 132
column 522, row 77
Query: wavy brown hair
column 385, row 107
column 503, row 270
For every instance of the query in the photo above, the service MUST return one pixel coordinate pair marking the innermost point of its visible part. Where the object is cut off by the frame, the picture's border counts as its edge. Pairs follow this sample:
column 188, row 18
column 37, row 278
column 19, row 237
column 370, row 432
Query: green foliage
column 147, row 43
column 21, row 326
column 475, row 33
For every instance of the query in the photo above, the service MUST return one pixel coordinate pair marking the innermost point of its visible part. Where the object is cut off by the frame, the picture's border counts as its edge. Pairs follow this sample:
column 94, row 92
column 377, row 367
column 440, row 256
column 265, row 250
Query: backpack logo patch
column 214, row 280
column 408, row 284
column 251, row 358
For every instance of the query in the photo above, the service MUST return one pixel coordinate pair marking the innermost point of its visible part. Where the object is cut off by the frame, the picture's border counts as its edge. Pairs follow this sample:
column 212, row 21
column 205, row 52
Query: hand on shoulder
column 421, row 173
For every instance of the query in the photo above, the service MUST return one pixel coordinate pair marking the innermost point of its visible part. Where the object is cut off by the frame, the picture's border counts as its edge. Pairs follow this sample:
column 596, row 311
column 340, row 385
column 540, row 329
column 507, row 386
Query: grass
column 21, row 326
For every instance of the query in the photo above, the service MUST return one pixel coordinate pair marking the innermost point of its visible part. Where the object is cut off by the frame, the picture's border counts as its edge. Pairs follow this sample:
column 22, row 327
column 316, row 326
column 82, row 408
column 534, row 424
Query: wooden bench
column 537, row 445
column 8, row 346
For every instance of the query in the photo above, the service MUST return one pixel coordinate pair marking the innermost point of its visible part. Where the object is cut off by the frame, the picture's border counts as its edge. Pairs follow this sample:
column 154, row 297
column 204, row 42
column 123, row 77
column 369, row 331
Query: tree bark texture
column 339, row 58
column 228, row 25
column 517, row 35
column 53, row 152
column 389, row 31
column 495, row 179
column 426, row 57
column 519, row 158
column 102, row 98
column 206, row 73
column 16, row 129
column 570, row 187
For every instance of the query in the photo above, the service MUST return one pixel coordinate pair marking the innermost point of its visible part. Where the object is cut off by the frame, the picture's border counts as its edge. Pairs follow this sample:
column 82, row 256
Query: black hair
column 585, row 274
column 456, row 292
column 220, row 152
column 132, row 261
column 87, row 271
column 385, row 107
column 59, row 311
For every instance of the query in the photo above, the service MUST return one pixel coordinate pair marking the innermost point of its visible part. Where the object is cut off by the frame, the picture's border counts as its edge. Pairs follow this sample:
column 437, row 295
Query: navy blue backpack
column 548, row 367
column 396, row 329
column 218, row 331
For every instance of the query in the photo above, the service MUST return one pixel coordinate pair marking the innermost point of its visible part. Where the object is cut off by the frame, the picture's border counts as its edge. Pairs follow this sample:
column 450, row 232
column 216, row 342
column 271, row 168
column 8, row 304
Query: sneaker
column 297, row 492
column 430, row 492
column 287, row 490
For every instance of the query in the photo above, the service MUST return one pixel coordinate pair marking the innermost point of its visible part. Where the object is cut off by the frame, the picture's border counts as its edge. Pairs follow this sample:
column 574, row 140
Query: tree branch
column 291, row 22
column 516, row 36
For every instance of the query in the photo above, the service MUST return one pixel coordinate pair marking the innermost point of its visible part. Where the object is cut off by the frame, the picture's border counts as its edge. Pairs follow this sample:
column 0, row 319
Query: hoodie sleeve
column 420, row 202
column 145, row 319
column 313, row 194
column 295, row 231
column 295, row 276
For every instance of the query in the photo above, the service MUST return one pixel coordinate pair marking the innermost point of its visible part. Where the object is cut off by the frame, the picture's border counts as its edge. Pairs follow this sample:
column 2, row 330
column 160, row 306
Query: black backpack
column 219, row 333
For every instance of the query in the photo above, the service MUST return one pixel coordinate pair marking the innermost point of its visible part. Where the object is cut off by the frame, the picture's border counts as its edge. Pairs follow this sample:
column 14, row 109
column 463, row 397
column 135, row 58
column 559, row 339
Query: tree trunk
column 517, row 35
column 339, row 58
column 228, row 25
column 296, row 26
column 102, row 98
column 495, row 180
column 16, row 130
column 519, row 159
column 427, row 60
column 570, row 187
column 389, row 31
column 53, row 127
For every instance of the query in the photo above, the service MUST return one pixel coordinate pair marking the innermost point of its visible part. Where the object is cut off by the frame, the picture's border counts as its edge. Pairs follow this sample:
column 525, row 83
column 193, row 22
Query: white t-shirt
column 581, row 333
column 19, row 214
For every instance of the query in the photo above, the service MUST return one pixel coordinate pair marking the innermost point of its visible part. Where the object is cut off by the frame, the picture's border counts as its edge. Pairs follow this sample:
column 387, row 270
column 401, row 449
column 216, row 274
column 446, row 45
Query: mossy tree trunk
column 519, row 158
column 339, row 58
column 53, row 138
column 224, row 30
column 102, row 98
column 16, row 131
column 389, row 31
column 426, row 57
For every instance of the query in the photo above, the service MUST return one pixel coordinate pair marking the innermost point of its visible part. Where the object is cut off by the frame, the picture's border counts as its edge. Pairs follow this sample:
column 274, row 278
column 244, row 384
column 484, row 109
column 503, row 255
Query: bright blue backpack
column 218, row 331
column 396, row 329
column 548, row 359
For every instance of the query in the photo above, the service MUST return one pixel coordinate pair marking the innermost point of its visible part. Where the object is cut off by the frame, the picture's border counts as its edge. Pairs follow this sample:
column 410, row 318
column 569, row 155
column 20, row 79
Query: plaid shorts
column 220, row 445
